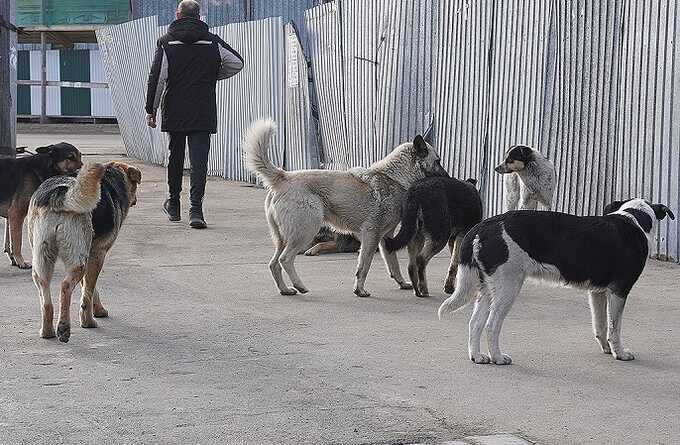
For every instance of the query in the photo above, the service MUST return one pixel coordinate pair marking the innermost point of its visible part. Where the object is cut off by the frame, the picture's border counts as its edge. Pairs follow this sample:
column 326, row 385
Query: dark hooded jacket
column 188, row 63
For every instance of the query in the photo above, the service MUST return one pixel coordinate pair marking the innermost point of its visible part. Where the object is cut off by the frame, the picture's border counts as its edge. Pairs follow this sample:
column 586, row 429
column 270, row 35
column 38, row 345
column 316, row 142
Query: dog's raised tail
column 256, row 152
column 83, row 196
column 467, row 286
column 409, row 224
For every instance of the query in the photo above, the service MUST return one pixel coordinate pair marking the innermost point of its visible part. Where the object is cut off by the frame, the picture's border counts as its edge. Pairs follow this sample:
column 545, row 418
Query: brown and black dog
column 20, row 178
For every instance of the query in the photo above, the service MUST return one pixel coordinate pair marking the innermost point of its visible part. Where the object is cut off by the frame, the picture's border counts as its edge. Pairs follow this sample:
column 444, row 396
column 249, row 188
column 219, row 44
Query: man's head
column 188, row 8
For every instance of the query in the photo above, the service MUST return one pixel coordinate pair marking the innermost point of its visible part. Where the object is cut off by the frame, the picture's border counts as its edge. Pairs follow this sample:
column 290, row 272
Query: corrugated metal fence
column 592, row 84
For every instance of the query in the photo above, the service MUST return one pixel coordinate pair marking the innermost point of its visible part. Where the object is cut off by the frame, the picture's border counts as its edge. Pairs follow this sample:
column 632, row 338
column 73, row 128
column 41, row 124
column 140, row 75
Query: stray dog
column 19, row 178
column 530, row 179
column 602, row 254
column 328, row 241
column 77, row 220
column 435, row 210
column 363, row 201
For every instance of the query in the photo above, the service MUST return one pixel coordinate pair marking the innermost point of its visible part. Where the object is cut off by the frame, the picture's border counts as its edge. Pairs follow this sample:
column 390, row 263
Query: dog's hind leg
column 392, row 264
column 506, row 288
column 74, row 275
column 598, row 313
column 615, row 305
column 94, row 266
column 274, row 264
column 369, row 241
column 480, row 315
column 454, row 247
column 42, row 277
column 98, row 309
column 414, row 247
column 300, row 231
column 431, row 248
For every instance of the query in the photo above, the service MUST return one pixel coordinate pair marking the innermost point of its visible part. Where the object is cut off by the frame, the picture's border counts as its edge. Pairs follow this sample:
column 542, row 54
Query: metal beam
column 64, row 83
column 43, row 79
column 60, row 38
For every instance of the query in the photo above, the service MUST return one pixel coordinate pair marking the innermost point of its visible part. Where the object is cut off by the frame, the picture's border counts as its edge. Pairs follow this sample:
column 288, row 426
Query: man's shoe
column 171, row 208
column 196, row 220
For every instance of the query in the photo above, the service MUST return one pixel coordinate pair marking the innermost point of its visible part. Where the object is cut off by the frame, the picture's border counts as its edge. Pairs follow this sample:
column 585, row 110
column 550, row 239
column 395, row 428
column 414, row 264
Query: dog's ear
column 44, row 150
column 527, row 152
column 661, row 211
column 420, row 146
column 134, row 174
column 613, row 207
column 472, row 181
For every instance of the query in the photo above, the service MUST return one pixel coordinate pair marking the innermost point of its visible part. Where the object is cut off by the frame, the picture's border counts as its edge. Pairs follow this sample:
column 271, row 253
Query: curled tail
column 83, row 195
column 256, row 152
column 409, row 224
column 467, row 286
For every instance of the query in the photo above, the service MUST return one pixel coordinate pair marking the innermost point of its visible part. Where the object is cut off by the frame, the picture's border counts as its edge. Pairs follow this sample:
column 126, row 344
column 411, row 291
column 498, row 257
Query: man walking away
column 188, row 63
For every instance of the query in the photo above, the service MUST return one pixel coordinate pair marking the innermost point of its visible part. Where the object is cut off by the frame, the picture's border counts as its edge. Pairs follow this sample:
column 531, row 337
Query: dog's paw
column 288, row 291
column 24, row 265
column 624, row 355
column 301, row 289
column 99, row 311
column 606, row 349
column 63, row 332
column 405, row 285
column 87, row 324
column 312, row 252
column 47, row 332
column 480, row 359
column 503, row 359
column 362, row 293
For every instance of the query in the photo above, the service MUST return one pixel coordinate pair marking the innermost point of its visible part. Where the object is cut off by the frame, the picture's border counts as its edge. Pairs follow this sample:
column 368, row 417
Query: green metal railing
column 72, row 12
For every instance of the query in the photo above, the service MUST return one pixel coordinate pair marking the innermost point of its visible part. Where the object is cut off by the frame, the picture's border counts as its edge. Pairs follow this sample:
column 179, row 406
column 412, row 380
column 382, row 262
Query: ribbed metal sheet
column 127, row 51
column 257, row 91
column 648, row 125
column 325, row 48
column 214, row 12
column 302, row 150
column 101, row 97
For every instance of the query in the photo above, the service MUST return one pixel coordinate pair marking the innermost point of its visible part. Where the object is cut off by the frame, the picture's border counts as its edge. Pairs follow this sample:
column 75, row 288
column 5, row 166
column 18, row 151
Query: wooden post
column 43, row 78
column 8, row 78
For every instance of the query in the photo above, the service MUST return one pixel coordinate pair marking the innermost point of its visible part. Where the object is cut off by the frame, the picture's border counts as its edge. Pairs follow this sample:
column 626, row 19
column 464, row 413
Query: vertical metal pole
column 43, row 78
column 249, row 10
column 8, row 63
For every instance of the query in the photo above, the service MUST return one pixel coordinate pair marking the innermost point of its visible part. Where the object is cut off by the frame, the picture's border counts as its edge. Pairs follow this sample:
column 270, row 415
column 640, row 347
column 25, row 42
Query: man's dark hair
column 189, row 8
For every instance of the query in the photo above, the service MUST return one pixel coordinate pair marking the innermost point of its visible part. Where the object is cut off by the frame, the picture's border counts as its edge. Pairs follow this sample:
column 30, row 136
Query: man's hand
column 151, row 120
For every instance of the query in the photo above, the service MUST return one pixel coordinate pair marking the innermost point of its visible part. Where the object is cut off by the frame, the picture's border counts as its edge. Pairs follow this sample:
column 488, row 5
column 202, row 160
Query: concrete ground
column 200, row 348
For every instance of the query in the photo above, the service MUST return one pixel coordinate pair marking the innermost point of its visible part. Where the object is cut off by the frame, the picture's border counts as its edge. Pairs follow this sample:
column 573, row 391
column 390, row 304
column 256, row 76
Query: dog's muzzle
column 502, row 169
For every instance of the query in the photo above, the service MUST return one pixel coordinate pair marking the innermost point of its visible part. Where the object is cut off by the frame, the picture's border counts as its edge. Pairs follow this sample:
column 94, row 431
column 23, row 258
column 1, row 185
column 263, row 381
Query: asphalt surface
column 201, row 348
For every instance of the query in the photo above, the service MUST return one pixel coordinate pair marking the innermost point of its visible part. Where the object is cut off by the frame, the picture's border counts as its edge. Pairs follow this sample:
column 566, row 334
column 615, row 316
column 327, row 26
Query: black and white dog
column 602, row 254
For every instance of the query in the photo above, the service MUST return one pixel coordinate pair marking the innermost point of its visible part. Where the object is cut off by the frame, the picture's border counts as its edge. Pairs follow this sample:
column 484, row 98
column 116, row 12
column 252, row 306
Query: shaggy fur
column 529, row 179
column 19, row 178
column 362, row 201
column 77, row 220
column 435, row 211
column 602, row 254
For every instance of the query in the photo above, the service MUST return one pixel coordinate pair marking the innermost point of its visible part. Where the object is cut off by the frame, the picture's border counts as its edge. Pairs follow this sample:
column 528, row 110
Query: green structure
column 53, row 13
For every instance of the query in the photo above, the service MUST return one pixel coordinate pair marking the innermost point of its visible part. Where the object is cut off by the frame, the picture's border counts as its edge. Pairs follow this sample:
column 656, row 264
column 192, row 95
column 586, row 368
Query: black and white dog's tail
column 409, row 225
column 467, row 287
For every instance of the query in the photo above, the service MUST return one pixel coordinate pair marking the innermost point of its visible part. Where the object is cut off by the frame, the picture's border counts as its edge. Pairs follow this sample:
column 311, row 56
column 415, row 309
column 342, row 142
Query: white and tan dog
column 529, row 179
column 365, row 202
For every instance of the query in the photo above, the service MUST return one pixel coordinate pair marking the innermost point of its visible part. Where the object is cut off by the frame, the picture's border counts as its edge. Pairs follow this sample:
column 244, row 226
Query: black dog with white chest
column 602, row 254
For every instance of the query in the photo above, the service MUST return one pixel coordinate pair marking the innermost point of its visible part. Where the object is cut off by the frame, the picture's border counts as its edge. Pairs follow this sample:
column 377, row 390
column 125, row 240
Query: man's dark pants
column 199, row 146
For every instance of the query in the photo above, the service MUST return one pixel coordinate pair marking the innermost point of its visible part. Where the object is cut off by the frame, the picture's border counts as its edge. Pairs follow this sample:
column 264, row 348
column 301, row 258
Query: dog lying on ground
column 77, row 220
column 328, row 241
column 529, row 179
column 19, row 178
column 435, row 211
column 363, row 201
column 602, row 254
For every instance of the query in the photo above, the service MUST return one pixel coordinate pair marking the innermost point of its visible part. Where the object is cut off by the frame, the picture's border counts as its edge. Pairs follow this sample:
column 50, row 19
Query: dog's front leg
column 392, row 264
column 15, row 219
column 454, row 247
column 369, row 242
column 615, row 305
column 598, row 313
column 93, row 268
column 7, row 239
